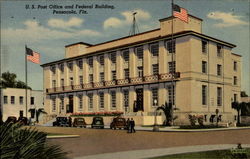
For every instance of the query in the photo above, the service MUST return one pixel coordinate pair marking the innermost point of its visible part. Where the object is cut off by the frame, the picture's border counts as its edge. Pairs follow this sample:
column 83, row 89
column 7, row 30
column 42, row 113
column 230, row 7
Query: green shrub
column 200, row 127
column 192, row 119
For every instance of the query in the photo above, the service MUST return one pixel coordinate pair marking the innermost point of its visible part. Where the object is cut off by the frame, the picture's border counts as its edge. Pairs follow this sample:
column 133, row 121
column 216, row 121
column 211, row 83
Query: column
column 147, row 98
column 95, row 69
column 75, row 103
column 132, row 63
column 119, row 65
column 119, row 99
column 66, row 73
column 162, row 58
column 162, row 94
column 107, row 67
column 147, row 58
column 107, row 103
column 57, row 76
column 75, row 73
column 85, row 102
column 132, row 98
column 85, row 71
column 95, row 101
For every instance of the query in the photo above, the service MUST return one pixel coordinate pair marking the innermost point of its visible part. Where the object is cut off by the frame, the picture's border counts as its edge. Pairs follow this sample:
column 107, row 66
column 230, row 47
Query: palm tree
column 17, row 142
column 167, row 109
column 238, row 107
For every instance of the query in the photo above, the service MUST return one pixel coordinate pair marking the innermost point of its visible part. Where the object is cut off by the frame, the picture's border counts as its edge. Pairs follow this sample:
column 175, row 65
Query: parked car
column 79, row 122
column 11, row 119
column 118, row 122
column 97, row 123
column 23, row 120
column 61, row 121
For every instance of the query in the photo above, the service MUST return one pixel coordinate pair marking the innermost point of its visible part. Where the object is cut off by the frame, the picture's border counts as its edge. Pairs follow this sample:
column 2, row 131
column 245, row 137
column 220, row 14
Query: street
column 97, row 141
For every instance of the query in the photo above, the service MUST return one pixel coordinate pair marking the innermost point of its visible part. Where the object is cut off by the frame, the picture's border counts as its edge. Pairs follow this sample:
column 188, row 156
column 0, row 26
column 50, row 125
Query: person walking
column 132, row 125
column 128, row 125
column 70, row 121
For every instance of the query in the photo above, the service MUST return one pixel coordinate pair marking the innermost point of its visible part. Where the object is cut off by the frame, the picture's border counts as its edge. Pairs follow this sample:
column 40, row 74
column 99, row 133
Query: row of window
column 113, row 101
column 204, row 95
column 219, row 67
column 205, row 48
column 154, row 49
column 155, row 70
column 12, row 100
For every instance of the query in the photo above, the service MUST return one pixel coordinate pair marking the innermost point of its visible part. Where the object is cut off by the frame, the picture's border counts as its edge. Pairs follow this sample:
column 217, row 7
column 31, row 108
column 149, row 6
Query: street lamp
column 156, row 127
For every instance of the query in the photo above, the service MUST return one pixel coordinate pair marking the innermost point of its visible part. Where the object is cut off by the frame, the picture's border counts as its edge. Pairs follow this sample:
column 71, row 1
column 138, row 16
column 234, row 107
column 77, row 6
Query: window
column 79, row 63
column 113, row 99
column 21, row 100
column 53, row 69
column 204, row 67
column 62, row 102
column 113, row 57
column 90, row 78
column 62, row 82
column 219, row 96
column 204, row 46
column 53, row 104
column 61, row 67
column 70, row 66
column 235, row 98
column 139, row 52
column 90, row 61
column 126, row 98
column 219, row 70
column 32, row 100
column 5, row 99
column 71, row 81
column 101, row 76
column 154, row 96
column 155, row 69
column 171, row 46
column 81, row 80
column 204, row 95
column 154, row 48
column 171, row 66
column 101, row 100
column 54, row 83
column 90, row 100
column 12, row 99
column 101, row 59
column 235, row 66
column 171, row 94
column 140, row 71
column 80, row 102
column 125, row 54
column 113, row 73
column 126, row 73
column 219, row 50
column 235, row 80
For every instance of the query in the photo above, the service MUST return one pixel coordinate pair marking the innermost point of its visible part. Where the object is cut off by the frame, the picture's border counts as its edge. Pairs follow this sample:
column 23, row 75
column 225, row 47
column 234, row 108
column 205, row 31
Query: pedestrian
column 128, row 125
column 132, row 125
column 70, row 121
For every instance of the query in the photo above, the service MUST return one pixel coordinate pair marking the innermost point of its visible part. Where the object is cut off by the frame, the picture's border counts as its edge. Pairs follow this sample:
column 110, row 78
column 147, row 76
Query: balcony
column 115, row 83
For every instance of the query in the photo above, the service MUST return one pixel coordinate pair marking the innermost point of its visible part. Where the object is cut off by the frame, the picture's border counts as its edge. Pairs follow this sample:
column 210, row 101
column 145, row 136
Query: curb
column 62, row 136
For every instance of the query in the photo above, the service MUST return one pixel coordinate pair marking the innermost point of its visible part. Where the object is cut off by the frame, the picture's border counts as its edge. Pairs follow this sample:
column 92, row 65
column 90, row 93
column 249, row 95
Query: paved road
column 98, row 141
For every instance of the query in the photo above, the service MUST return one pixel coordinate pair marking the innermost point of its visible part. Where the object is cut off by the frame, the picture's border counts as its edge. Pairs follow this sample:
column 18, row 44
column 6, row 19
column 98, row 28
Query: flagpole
column 172, row 61
column 26, row 100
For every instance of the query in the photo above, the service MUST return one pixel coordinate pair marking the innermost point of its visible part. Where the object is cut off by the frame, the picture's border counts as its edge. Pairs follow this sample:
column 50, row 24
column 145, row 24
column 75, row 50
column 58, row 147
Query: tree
column 9, row 80
column 238, row 107
column 243, row 94
column 167, row 109
column 38, row 112
column 17, row 142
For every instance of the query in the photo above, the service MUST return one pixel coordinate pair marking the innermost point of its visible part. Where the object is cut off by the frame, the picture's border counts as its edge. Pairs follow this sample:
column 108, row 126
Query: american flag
column 32, row 56
column 180, row 13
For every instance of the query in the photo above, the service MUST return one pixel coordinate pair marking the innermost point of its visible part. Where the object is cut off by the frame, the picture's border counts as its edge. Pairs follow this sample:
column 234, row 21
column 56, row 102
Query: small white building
column 14, row 102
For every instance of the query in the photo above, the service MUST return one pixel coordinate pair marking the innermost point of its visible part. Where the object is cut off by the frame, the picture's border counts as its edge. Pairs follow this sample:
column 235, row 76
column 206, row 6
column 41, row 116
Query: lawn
column 218, row 154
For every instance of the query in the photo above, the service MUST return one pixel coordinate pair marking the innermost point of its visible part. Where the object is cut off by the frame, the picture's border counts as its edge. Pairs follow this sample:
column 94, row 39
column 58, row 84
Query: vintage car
column 11, row 119
column 118, row 122
column 61, row 121
column 97, row 123
column 79, row 122
column 23, row 120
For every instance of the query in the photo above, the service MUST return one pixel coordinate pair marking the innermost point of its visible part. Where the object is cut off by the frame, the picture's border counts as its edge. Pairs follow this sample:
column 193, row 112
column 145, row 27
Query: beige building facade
column 118, row 74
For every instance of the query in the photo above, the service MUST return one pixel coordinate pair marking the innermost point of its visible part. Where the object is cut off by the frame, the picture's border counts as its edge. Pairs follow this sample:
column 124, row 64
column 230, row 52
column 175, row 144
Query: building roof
column 171, row 17
column 236, row 54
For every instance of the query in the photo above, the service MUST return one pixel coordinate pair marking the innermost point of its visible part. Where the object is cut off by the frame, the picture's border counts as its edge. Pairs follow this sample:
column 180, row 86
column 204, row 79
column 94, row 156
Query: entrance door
column 139, row 100
column 70, row 105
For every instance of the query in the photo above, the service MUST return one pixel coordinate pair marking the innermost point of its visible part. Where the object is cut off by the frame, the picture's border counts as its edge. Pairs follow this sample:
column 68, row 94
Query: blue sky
column 48, row 33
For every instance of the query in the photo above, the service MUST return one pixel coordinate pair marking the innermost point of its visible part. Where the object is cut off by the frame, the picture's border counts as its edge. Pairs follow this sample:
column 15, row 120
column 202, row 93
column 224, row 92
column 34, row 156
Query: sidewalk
column 149, row 153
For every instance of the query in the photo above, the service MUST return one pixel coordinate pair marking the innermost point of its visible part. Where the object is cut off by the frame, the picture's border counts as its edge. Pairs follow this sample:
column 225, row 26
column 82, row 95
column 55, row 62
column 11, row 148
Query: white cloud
column 127, row 19
column 60, row 23
column 34, row 31
column 226, row 19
